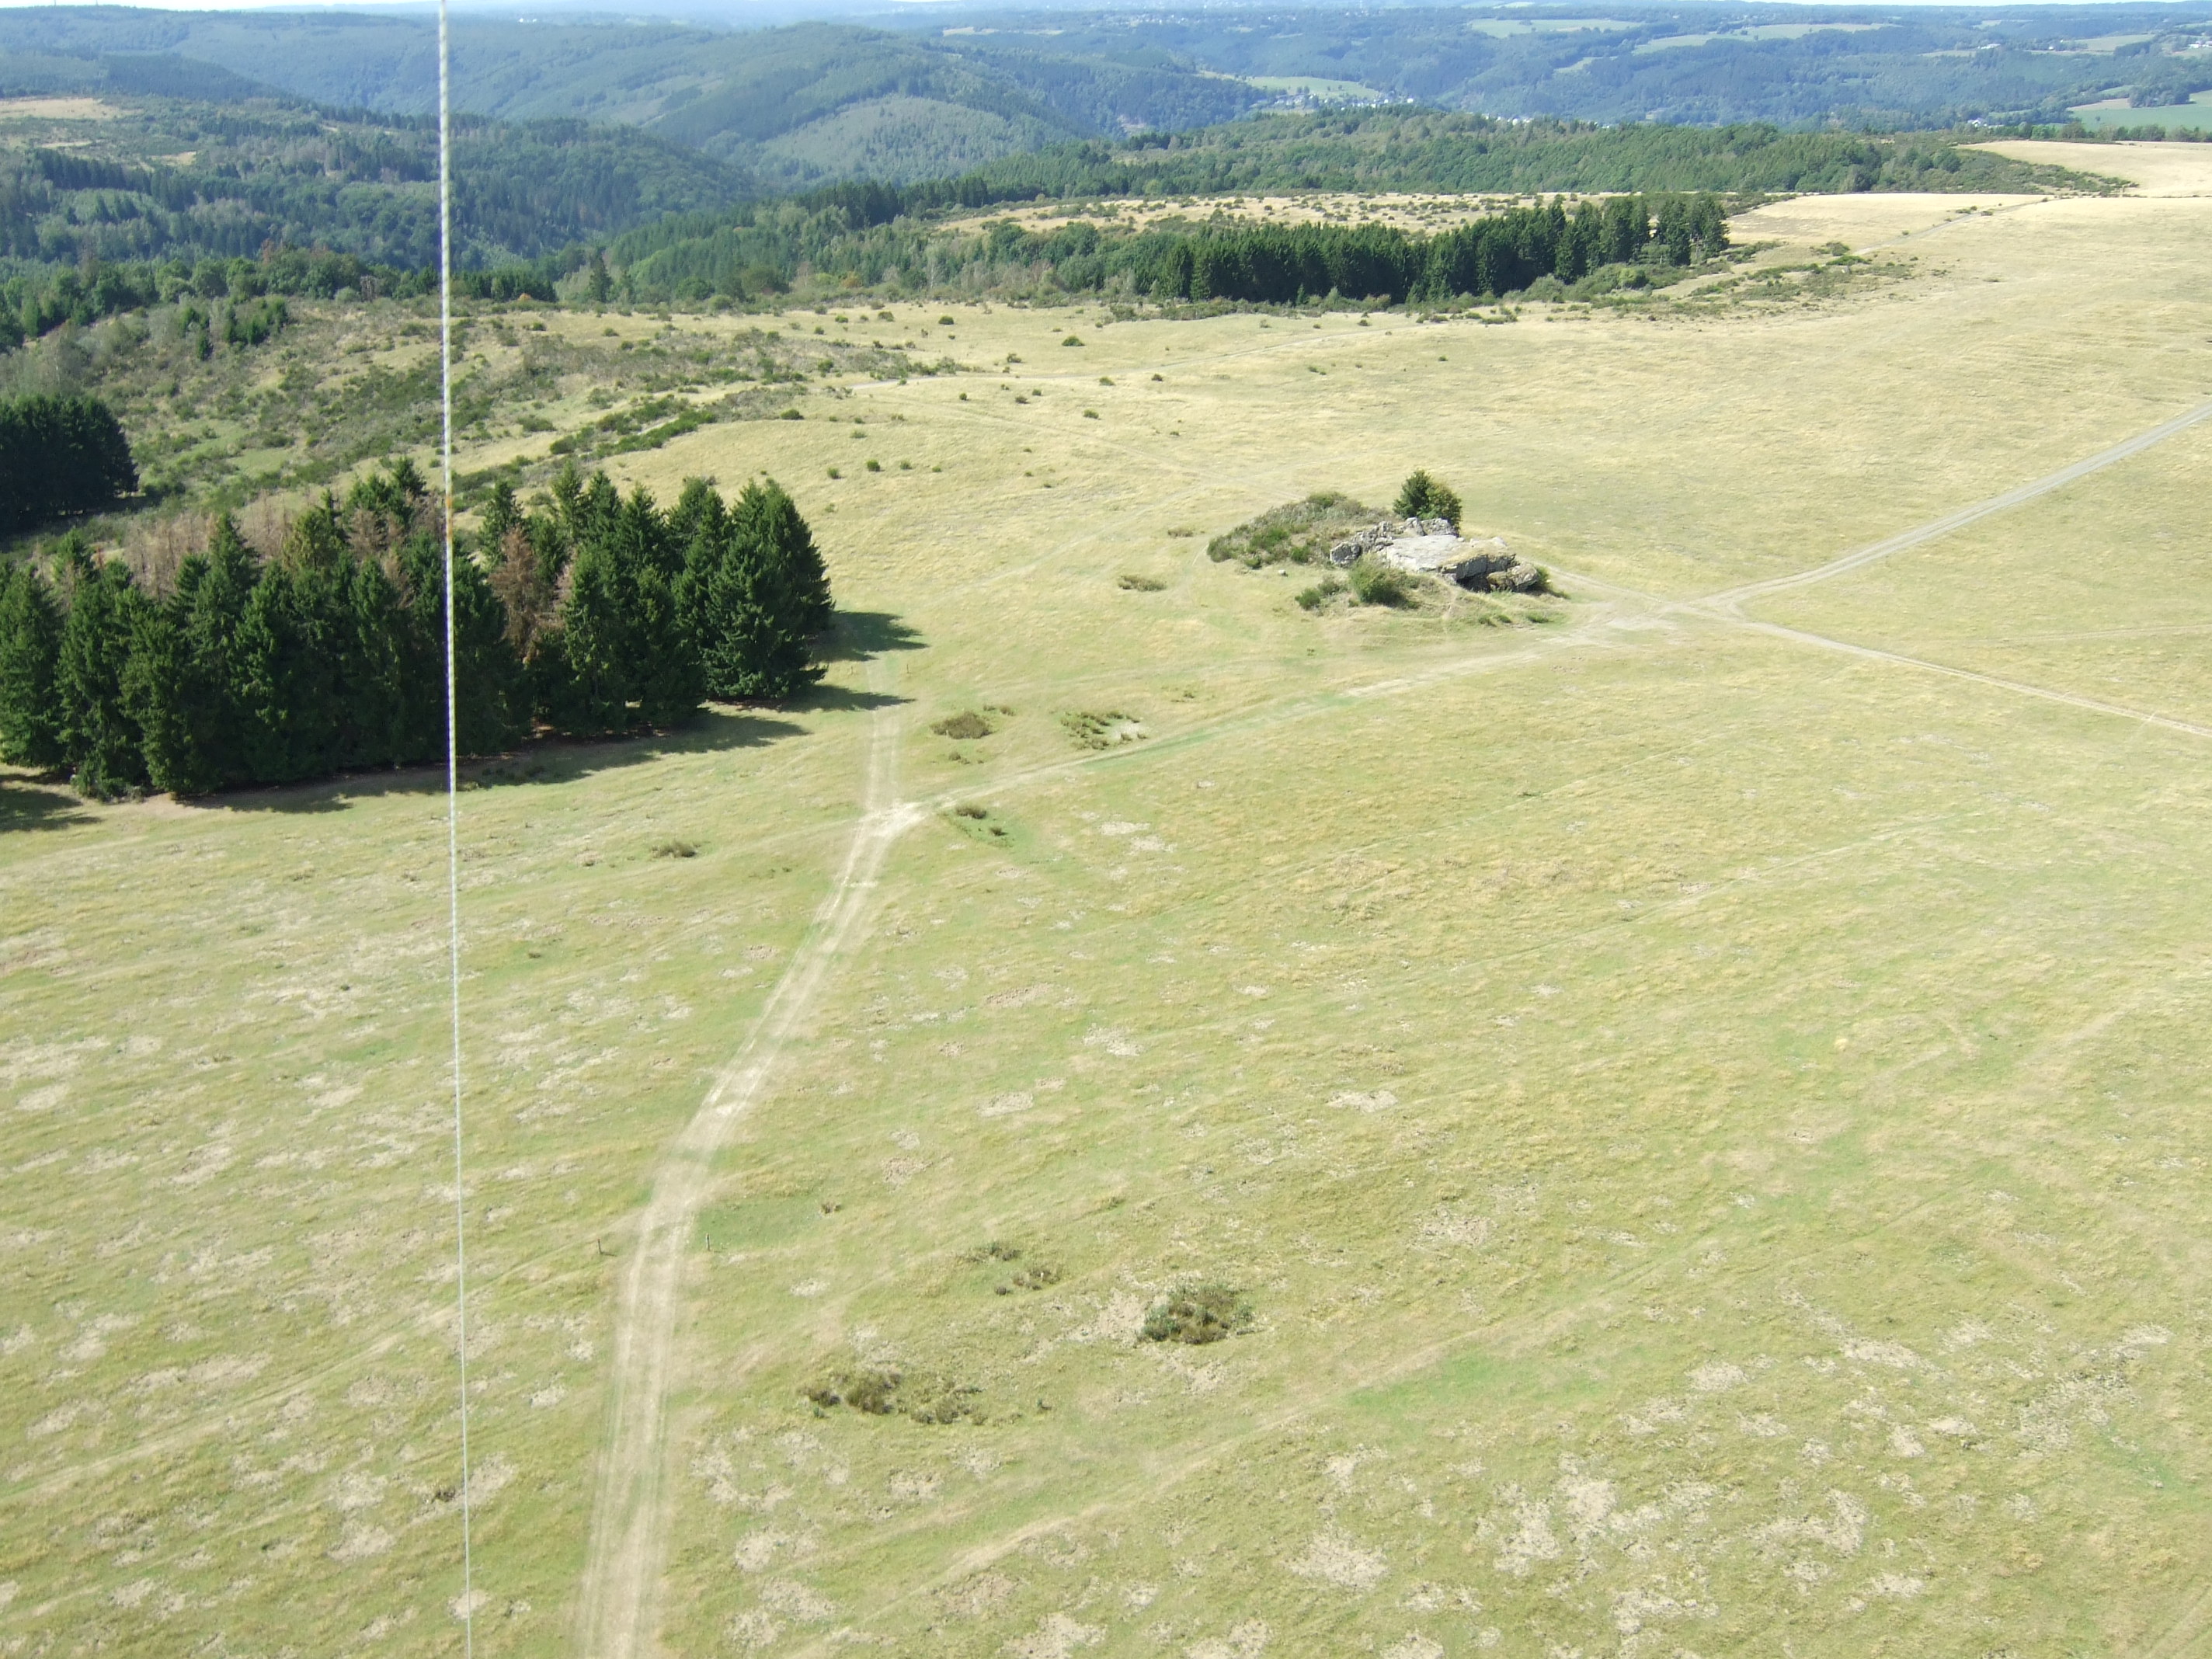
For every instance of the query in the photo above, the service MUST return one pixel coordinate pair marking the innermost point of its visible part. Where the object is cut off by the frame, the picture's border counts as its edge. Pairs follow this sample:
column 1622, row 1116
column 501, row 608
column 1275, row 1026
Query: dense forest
column 1403, row 150
column 278, row 201
column 169, row 180
column 1223, row 259
column 588, row 614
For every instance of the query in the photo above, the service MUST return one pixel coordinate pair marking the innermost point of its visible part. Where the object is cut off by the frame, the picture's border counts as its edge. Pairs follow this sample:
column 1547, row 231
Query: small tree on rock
column 1422, row 497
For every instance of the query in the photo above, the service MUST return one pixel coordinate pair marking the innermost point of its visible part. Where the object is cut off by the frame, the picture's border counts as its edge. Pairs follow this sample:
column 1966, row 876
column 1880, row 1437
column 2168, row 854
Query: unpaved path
column 617, row 1615
column 1733, row 599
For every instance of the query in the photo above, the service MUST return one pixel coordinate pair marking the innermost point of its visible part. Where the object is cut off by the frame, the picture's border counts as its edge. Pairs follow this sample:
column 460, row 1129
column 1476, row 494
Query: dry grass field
column 1705, row 1128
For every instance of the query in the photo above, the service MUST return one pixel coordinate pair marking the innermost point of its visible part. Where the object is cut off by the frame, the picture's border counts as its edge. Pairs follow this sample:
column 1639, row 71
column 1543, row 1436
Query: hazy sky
column 737, row 11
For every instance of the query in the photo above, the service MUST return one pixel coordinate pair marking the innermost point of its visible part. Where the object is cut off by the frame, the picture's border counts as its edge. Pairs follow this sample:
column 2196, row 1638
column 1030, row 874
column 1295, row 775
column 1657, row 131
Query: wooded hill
column 792, row 106
column 161, row 178
column 876, row 233
column 934, row 94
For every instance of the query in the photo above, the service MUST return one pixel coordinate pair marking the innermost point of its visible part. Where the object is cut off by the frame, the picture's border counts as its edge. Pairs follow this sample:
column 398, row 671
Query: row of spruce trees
column 589, row 614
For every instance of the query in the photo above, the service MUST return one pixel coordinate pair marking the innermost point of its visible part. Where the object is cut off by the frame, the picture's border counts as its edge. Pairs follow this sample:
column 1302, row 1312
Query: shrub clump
column 1142, row 584
column 966, row 727
column 1379, row 584
column 887, row 1391
column 1101, row 730
column 1312, row 598
column 1422, row 497
column 1204, row 1313
column 1300, row 532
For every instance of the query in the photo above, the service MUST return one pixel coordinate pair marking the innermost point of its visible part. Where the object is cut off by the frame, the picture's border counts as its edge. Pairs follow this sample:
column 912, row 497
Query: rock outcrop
column 1430, row 547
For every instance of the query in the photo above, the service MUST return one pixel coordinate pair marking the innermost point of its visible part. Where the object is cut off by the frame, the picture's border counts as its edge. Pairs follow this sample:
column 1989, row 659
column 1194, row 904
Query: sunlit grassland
column 1708, row 1129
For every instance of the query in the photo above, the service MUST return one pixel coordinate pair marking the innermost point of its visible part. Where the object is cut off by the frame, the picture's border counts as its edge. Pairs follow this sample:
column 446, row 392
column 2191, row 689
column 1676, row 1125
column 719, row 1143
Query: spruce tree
column 286, row 687
column 501, row 514
column 30, row 653
column 698, row 508
column 749, row 618
column 493, row 714
column 373, row 724
column 661, row 660
column 767, row 522
column 213, row 603
column 163, row 698
column 1422, row 497
column 592, row 694
column 99, row 741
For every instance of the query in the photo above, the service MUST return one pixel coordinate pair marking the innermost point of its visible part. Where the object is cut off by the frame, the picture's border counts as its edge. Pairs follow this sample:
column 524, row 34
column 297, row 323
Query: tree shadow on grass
column 861, row 635
column 25, row 805
column 547, row 760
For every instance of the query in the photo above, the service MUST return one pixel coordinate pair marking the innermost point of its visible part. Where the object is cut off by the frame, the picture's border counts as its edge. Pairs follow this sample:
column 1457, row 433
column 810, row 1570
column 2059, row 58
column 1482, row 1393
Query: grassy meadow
column 1705, row 1130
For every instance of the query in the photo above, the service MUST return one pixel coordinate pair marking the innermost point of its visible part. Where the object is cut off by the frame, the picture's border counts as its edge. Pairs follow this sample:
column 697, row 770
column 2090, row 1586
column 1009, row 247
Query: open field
column 1708, row 1128
column 2154, row 169
column 2194, row 114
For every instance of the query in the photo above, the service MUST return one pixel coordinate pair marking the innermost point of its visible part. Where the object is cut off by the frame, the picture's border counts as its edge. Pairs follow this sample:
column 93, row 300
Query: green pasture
column 1707, row 1128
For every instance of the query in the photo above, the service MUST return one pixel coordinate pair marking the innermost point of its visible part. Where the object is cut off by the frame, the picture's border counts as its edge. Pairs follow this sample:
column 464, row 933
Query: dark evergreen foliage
column 1422, row 497
column 587, row 614
column 59, row 456
column 100, row 738
column 30, row 655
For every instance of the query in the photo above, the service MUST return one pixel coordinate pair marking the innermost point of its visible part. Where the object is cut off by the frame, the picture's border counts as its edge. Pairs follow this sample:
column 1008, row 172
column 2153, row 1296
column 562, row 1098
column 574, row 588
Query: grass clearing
column 1706, row 1134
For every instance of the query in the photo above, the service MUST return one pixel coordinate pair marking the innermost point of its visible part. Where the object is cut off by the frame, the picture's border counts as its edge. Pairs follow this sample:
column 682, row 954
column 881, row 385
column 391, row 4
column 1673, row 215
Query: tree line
column 584, row 613
column 1227, row 260
column 1428, row 150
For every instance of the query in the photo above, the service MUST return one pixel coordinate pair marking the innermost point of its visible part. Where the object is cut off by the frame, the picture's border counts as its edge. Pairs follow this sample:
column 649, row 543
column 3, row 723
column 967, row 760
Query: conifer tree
column 661, row 666
column 767, row 522
column 213, row 602
column 285, row 686
column 752, row 595
column 30, row 653
column 592, row 694
column 161, row 695
column 492, row 714
column 501, row 514
column 1422, row 497
column 698, row 508
column 375, row 727
column 99, row 740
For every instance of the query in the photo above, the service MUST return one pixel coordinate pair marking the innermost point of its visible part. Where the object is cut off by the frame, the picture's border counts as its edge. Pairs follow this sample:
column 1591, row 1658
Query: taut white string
column 453, row 800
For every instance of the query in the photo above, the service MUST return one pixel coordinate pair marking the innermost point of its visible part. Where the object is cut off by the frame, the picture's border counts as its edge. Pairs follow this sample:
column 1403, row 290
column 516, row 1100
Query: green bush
column 1378, row 584
column 886, row 1391
column 1103, row 729
column 1204, row 1313
column 1299, row 533
column 1422, row 497
column 1312, row 598
column 965, row 726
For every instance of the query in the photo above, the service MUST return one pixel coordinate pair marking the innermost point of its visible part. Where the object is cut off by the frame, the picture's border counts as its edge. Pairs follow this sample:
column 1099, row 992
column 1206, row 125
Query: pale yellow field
column 1709, row 1128
column 56, row 109
column 1403, row 210
column 2172, row 169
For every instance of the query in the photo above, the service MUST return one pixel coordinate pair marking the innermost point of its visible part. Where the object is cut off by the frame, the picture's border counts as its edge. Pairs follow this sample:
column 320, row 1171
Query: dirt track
column 622, row 1564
